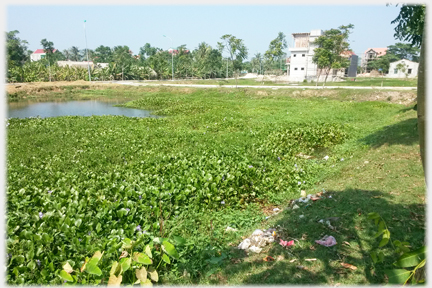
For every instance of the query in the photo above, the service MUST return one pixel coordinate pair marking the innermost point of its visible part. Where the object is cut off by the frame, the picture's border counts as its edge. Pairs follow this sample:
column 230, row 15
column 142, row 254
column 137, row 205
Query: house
column 301, row 66
column 39, row 54
column 82, row 64
column 371, row 54
column 175, row 52
column 409, row 69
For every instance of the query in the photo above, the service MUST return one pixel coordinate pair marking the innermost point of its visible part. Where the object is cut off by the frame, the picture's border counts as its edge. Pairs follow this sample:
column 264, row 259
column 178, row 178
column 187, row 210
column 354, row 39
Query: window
column 395, row 71
column 302, row 69
column 295, row 68
column 303, row 55
column 295, row 55
column 409, row 71
column 42, row 56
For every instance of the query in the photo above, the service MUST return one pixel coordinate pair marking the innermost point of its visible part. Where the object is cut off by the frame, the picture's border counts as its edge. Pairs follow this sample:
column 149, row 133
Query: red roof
column 41, row 51
column 379, row 51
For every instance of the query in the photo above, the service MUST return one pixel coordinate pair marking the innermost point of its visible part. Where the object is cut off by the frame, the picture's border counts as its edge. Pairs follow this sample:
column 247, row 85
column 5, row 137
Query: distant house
column 371, row 54
column 82, row 64
column 175, row 52
column 301, row 66
column 39, row 54
column 410, row 67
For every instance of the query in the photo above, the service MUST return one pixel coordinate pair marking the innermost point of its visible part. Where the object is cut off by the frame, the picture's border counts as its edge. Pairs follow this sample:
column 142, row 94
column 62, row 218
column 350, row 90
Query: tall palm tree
column 75, row 53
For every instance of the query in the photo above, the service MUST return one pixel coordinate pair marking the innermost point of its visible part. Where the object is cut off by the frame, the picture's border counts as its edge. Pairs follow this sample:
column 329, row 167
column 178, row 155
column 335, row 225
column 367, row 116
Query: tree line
column 151, row 62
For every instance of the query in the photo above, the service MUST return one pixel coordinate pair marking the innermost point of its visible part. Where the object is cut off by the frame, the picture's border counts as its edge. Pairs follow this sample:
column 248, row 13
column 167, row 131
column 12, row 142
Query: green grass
column 91, row 162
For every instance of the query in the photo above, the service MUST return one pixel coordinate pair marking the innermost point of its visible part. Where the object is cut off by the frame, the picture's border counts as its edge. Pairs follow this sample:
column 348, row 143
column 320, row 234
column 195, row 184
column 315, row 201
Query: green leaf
column 411, row 259
column 179, row 240
column 397, row 276
column 381, row 256
column 78, row 222
column 166, row 259
column 93, row 269
column 97, row 255
column 65, row 276
column 142, row 258
column 385, row 239
column 373, row 215
column 170, row 249
column 125, row 263
column 374, row 257
column 148, row 251
column 114, row 268
column 127, row 243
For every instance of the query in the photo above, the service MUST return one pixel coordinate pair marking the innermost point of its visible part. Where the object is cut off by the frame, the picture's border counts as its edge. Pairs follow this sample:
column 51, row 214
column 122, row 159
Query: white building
column 82, row 64
column 410, row 67
column 39, row 54
column 301, row 66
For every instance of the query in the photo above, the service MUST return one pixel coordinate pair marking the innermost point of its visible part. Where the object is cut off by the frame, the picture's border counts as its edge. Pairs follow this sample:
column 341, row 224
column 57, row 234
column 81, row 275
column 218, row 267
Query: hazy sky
column 136, row 25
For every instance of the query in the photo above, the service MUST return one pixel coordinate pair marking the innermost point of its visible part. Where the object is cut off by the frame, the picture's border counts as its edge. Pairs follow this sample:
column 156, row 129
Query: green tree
column 147, row 50
column 17, row 53
column 122, row 57
column 404, row 51
column 75, row 53
column 410, row 26
column 328, row 55
column 275, row 52
column 236, row 49
column 103, row 54
column 382, row 62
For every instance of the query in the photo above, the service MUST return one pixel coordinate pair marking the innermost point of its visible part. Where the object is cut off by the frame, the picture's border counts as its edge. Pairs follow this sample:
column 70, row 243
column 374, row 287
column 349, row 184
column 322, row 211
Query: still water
column 72, row 108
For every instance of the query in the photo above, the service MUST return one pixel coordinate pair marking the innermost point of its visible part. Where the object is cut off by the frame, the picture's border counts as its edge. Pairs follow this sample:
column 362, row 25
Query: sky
column 257, row 25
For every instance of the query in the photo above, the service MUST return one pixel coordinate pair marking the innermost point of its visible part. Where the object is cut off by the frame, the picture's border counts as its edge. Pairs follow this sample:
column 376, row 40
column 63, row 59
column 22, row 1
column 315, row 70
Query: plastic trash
column 301, row 216
column 286, row 243
column 255, row 249
column 257, row 232
column 244, row 244
column 326, row 158
column 327, row 241
column 303, row 193
column 295, row 206
column 276, row 209
column 228, row 229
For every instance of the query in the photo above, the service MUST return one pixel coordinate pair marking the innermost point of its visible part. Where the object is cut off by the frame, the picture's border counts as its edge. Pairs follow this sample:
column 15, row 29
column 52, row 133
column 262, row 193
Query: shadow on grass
column 404, row 132
column 405, row 222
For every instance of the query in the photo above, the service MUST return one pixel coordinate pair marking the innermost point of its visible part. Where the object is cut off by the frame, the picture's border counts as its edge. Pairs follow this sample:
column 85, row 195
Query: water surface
column 25, row 109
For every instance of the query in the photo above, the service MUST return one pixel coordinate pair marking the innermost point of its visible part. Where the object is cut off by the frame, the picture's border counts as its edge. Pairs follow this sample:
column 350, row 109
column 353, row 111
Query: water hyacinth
column 250, row 166
column 38, row 262
column 278, row 158
column 79, row 239
column 295, row 165
column 40, row 215
column 138, row 228
column 223, row 202
column 127, row 209
column 299, row 183
column 140, row 197
column 50, row 191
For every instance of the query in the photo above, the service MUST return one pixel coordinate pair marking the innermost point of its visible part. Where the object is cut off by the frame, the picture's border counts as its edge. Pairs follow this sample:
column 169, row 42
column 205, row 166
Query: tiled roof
column 379, row 51
column 41, row 51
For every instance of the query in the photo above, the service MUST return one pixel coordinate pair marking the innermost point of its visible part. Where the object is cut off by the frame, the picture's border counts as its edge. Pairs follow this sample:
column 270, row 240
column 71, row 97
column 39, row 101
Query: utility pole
column 227, row 70
column 88, row 64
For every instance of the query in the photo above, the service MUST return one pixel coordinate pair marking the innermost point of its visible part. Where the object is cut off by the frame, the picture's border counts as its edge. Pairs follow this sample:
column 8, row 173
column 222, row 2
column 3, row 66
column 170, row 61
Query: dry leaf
column 236, row 261
column 291, row 261
column 337, row 284
column 115, row 281
column 346, row 243
column 68, row 268
column 124, row 254
column 346, row 265
column 312, row 248
column 280, row 258
column 84, row 265
column 313, row 259
column 141, row 274
column 302, row 267
column 268, row 259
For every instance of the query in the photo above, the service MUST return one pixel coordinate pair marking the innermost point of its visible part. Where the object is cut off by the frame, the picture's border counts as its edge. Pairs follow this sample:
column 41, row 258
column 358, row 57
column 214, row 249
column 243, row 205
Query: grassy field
column 219, row 158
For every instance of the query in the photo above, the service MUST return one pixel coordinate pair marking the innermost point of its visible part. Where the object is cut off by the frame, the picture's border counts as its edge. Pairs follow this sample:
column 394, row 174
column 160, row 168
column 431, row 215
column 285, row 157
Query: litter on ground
column 327, row 241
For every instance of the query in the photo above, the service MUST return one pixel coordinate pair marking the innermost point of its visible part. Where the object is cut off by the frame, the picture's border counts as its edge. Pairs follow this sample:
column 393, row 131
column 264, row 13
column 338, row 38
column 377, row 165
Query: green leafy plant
column 134, row 267
column 410, row 263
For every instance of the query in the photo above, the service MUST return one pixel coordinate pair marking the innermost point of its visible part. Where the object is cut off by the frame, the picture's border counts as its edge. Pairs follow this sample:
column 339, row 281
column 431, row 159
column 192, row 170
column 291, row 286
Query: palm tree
column 75, row 53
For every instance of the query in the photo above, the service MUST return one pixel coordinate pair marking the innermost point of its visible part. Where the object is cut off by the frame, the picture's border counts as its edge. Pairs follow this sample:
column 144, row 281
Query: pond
column 24, row 109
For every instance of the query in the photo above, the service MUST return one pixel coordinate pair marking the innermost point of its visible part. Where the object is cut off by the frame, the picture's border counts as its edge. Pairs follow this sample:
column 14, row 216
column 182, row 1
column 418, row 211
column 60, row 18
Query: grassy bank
column 219, row 158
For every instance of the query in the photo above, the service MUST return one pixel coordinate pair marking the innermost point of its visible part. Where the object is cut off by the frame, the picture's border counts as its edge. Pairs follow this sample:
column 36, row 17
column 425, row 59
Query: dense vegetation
column 77, row 185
